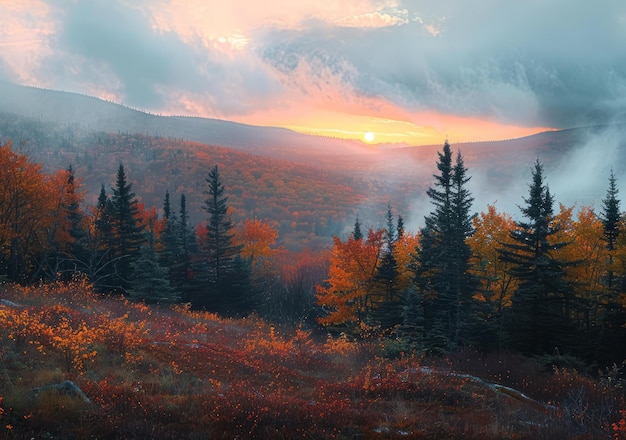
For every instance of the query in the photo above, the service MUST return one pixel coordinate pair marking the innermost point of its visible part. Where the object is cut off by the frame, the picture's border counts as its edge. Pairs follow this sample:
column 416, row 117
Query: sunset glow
column 327, row 68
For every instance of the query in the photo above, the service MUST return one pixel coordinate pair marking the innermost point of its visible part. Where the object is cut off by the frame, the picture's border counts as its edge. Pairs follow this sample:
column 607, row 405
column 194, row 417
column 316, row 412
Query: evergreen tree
column 400, row 227
column 150, row 282
column 128, row 232
column 539, row 317
column 170, row 246
column 218, row 254
column 413, row 330
column 611, row 221
column 357, row 234
column 442, row 262
column 180, row 275
column 388, row 310
column 79, row 248
column 610, row 328
column 99, row 264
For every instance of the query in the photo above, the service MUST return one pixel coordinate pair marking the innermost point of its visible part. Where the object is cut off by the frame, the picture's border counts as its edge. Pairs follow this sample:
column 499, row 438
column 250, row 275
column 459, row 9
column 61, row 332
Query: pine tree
column 100, row 261
column 180, row 275
column 79, row 248
column 539, row 316
column 357, row 234
column 610, row 328
column 611, row 220
column 218, row 253
column 150, row 283
column 388, row 299
column 442, row 263
column 127, row 231
column 170, row 246
column 400, row 227
column 413, row 330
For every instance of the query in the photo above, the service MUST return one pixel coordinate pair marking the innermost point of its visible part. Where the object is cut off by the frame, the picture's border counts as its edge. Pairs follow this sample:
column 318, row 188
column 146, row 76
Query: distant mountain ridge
column 577, row 160
column 94, row 114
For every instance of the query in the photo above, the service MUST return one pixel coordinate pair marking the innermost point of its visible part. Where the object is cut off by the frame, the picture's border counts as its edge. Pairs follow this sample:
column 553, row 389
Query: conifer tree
column 445, row 284
column 150, row 281
column 611, row 221
column 128, row 232
column 100, row 261
column 170, row 246
column 219, row 260
column 180, row 276
column 357, row 234
column 539, row 317
column 612, row 317
column 78, row 250
column 413, row 330
column 388, row 299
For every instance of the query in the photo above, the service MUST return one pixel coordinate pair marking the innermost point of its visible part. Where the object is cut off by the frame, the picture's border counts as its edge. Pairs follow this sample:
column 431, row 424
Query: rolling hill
column 309, row 186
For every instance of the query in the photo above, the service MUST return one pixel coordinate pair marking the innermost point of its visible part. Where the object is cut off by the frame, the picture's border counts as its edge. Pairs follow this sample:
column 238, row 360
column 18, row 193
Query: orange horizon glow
column 434, row 130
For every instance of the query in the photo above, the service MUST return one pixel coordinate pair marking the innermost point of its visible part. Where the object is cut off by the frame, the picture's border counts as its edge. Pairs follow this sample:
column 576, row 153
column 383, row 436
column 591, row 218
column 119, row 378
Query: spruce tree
column 128, row 232
column 100, row 262
column 218, row 254
column 441, row 265
column 78, row 250
column 180, row 276
column 150, row 282
column 610, row 326
column 357, row 234
column 539, row 319
column 611, row 221
column 413, row 331
column 388, row 299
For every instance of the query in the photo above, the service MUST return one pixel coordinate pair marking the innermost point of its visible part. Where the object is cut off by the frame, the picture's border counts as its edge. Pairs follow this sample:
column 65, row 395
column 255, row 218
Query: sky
column 404, row 71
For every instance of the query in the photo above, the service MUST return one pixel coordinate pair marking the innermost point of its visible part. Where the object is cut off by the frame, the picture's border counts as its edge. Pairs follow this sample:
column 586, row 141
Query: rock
column 67, row 387
column 6, row 302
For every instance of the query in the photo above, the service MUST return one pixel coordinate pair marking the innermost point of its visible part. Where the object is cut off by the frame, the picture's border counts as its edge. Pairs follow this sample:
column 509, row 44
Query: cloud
column 532, row 64
column 24, row 39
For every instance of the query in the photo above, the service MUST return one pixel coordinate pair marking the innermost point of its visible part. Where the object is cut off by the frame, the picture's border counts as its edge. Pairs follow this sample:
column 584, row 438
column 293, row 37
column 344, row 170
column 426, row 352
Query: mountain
column 275, row 172
column 93, row 114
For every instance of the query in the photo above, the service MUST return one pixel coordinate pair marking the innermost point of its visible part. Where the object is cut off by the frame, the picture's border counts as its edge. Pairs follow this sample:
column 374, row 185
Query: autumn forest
column 548, row 290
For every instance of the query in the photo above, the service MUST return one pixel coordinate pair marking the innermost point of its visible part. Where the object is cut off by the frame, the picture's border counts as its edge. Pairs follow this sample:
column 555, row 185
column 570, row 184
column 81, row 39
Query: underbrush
column 175, row 373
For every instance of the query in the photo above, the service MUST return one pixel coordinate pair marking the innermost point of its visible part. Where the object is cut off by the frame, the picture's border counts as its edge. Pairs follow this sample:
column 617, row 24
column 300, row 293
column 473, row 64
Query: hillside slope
column 162, row 373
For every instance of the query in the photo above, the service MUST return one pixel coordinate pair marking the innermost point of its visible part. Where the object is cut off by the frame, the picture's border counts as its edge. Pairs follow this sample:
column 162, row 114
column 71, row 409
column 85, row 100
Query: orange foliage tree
column 491, row 230
column 257, row 239
column 346, row 296
column 32, row 218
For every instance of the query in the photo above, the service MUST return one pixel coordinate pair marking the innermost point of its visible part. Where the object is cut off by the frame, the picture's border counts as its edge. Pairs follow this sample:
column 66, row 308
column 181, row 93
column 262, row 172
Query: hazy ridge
column 577, row 160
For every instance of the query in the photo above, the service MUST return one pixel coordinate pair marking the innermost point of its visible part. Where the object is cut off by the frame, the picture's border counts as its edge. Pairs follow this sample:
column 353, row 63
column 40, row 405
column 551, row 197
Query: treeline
column 551, row 284
column 48, row 233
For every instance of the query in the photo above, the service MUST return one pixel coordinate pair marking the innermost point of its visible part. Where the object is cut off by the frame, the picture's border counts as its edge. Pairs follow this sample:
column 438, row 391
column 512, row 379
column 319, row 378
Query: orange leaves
column 77, row 337
column 32, row 214
column 347, row 293
column 492, row 229
column 258, row 241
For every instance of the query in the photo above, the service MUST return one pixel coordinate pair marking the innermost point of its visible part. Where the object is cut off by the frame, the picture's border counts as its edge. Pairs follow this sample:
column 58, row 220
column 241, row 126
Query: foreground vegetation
column 170, row 372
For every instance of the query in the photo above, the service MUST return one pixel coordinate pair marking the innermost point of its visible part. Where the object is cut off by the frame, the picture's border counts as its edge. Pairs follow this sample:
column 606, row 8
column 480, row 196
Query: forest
column 554, row 282
column 549, row 287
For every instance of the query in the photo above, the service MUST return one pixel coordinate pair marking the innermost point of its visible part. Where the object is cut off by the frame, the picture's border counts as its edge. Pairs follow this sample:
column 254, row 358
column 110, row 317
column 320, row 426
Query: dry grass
column 177, row 373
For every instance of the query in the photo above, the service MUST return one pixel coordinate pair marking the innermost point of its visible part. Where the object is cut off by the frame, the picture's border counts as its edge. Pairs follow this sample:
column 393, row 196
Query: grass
column 175, row 373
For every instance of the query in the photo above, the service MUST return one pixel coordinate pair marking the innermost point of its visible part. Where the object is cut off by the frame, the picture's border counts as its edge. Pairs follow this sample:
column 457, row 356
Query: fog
column 576, row 174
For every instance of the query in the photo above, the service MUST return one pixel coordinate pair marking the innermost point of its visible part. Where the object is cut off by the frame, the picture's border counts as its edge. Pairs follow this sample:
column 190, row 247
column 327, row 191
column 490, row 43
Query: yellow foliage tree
column 492, row 230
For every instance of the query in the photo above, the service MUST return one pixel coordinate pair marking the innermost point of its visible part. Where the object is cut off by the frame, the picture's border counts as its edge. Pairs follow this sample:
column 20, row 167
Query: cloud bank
column 528, row 64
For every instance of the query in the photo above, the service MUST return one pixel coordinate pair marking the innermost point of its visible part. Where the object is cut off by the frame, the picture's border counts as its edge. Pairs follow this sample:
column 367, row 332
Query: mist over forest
column 578, row 161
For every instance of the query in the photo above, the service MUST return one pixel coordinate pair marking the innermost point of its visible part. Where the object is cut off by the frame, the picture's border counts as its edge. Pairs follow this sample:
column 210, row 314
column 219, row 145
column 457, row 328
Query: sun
column 369, row 137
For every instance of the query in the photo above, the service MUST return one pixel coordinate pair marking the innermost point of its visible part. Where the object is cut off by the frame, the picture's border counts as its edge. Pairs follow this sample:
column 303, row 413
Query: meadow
column 165, row 372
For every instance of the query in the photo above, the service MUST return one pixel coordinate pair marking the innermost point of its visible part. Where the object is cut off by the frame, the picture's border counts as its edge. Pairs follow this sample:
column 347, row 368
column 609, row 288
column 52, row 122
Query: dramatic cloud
column 434, row 66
